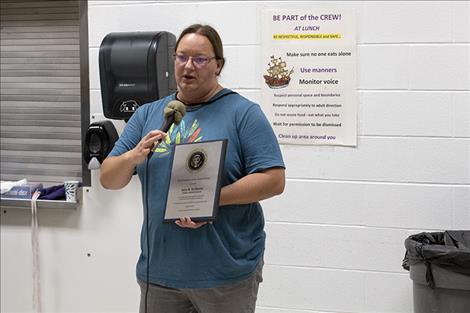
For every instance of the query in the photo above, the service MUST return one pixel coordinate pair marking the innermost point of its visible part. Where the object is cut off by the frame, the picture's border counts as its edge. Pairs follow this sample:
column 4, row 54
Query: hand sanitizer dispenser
column 99, row 141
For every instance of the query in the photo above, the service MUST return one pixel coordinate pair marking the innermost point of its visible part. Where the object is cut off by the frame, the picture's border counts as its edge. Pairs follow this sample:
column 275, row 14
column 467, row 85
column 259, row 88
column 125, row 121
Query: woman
column 198, row 266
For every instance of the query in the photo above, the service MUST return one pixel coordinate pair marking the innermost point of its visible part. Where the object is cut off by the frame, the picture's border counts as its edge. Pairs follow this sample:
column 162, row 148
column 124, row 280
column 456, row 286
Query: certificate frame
column 195, row 180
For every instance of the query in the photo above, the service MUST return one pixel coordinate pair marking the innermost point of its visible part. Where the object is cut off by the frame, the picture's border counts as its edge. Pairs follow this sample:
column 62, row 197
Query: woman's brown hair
column 211, row 34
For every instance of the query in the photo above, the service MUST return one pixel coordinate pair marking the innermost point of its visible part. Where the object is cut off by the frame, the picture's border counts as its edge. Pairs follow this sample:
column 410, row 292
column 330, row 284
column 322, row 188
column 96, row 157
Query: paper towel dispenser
column 135, row 68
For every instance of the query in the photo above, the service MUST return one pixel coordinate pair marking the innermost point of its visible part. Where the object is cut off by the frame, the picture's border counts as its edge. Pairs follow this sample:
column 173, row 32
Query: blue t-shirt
column 230, row 248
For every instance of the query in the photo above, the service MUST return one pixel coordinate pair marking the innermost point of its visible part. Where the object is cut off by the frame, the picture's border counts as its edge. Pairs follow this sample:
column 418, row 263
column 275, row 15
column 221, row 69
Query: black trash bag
column 449, row 250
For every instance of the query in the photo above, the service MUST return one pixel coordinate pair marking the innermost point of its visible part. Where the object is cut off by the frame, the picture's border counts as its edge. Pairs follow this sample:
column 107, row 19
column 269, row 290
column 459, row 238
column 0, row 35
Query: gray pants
column 239, row 297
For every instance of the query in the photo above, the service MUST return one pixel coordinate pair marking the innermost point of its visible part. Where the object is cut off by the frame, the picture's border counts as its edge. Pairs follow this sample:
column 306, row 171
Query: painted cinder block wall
column 335, row 237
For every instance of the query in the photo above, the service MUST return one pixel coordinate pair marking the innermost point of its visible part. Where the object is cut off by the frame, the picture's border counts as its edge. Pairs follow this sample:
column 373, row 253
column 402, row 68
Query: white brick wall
column 335, row 237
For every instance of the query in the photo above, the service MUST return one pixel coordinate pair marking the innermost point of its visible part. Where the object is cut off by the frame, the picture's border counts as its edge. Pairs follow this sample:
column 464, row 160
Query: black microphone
column 173, row 113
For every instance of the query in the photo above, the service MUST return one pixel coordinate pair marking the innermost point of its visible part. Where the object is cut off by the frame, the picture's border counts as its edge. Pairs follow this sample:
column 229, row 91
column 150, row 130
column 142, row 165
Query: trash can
column 439, row 265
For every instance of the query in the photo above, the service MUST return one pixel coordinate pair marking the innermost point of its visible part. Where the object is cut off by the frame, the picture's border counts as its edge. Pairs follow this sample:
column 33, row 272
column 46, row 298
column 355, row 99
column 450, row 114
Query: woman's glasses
column 199, row 61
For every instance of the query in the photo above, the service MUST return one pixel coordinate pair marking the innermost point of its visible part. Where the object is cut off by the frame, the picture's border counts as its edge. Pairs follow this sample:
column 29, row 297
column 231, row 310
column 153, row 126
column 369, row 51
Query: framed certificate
column 194, row 188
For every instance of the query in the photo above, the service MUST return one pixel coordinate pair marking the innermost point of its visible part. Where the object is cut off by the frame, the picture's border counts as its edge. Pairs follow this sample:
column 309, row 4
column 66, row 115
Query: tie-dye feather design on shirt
column 179, row 134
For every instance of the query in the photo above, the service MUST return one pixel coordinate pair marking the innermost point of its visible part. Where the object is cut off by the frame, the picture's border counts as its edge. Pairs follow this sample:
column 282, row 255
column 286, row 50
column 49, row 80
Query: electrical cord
column 147, row 230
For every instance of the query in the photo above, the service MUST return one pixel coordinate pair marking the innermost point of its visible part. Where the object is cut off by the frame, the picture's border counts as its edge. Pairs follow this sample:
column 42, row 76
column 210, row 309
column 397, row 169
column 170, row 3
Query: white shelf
column 41, row 204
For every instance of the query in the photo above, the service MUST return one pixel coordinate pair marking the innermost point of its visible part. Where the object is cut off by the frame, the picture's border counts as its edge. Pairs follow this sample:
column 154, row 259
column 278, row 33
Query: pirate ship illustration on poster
column 278, row 76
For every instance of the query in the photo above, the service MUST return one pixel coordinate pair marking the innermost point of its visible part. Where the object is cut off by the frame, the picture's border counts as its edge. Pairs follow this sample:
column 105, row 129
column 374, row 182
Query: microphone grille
column 177, row 108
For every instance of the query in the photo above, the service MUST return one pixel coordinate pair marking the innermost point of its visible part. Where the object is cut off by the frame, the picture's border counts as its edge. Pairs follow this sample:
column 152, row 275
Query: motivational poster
column 309, row 75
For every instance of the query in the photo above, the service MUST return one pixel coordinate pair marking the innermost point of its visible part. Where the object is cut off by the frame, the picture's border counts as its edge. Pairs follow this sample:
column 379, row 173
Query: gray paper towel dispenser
column 135, row 68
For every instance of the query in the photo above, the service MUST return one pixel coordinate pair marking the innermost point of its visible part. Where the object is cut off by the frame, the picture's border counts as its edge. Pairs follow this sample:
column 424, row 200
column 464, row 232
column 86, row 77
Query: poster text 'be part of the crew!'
column 309, row 75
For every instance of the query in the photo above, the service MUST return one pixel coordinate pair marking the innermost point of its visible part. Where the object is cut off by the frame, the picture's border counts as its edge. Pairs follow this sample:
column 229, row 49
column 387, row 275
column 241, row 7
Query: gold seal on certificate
column 195, row 180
